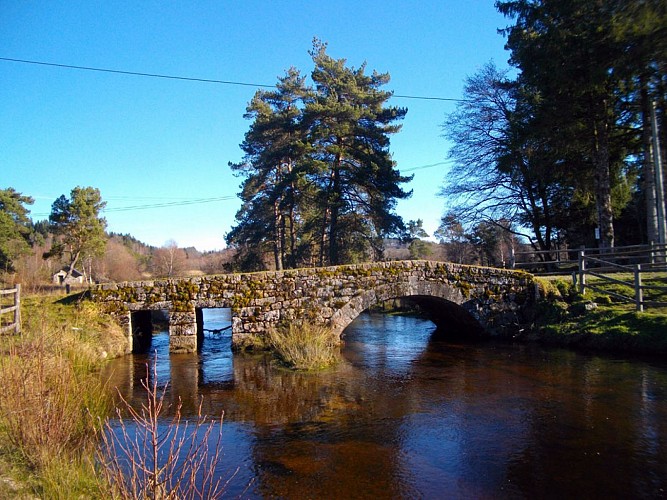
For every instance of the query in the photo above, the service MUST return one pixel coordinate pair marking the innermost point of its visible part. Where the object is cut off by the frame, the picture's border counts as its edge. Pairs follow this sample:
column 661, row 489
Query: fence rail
column 12, row 311
column 559, row 261
column 651, row 267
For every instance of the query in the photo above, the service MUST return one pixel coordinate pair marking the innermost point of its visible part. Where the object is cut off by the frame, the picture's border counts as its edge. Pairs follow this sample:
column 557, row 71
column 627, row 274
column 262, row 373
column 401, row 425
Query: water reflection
column 408, row 415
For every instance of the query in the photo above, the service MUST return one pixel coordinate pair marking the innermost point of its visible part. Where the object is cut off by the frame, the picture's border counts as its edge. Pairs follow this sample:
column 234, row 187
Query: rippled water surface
column 408, row 415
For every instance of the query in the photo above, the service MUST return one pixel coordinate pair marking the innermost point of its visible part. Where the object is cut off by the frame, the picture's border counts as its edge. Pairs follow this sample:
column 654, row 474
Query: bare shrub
column 143, row 457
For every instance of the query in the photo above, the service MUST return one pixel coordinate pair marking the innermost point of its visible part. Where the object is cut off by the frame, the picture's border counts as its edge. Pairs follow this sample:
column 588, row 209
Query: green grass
column 627, row 290
column 597, row 320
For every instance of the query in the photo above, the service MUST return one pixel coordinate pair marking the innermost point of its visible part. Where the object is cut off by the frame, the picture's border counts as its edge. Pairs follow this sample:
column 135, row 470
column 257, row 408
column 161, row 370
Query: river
column 407, row 414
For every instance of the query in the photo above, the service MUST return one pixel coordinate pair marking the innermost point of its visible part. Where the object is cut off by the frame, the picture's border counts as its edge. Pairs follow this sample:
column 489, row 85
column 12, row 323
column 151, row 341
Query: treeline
column 565, row 152
column 74, row 239
column 319, row 183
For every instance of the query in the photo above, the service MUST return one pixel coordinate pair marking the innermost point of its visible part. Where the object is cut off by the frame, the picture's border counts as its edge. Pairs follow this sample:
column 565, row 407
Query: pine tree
column 274, row 147
column 15, row 231
column 349, row 124
column 77, row 226
column 320, row 186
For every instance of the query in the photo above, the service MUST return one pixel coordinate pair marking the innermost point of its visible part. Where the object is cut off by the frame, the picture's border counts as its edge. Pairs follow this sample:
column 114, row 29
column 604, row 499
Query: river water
column 407, row 414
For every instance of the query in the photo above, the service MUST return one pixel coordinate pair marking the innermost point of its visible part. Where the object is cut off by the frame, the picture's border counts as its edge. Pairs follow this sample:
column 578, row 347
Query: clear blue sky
column 145, row 141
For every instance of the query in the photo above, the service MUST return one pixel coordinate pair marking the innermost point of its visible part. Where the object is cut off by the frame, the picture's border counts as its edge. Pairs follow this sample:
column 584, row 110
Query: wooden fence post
column 651, row 252
column 17, row 311
column 639, row 295
column 15, row 325
column 582, row 272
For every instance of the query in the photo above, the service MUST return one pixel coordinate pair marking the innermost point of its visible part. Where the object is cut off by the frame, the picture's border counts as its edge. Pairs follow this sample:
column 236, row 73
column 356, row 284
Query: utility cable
column 195, row 79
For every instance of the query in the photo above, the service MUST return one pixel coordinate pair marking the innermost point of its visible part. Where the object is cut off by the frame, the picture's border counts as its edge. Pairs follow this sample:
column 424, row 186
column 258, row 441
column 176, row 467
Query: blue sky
column 147, row 141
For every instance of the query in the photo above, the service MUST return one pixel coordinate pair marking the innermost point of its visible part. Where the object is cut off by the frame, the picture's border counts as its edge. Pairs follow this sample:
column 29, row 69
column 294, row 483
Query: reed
column 304, row 346
column 143, row 457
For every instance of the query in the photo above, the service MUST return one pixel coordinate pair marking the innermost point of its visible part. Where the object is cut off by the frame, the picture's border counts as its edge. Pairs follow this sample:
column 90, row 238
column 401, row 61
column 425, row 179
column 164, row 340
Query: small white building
column 75, row 278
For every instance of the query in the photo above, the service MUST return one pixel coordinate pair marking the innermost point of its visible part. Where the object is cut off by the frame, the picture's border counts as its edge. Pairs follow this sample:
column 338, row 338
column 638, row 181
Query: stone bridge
column 455, row 297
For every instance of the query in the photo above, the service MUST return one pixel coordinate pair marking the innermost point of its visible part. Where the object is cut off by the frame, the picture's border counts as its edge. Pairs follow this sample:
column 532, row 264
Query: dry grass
column 303, row 346
column 47, row 405
column 51, row 399
column 53, row 407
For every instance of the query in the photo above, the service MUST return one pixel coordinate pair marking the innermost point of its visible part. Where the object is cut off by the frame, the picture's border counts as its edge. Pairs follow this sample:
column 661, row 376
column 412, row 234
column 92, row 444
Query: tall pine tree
column 349, row 124
column 320, row 185
column 274, row 147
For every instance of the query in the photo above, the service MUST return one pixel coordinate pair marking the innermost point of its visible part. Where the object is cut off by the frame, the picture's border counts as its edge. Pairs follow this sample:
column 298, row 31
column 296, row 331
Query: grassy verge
column 303, row 346
column 52, row 398
column 597, row 321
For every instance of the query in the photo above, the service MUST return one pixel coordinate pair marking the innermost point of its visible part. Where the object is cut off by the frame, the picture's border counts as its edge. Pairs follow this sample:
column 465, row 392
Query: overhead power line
column 167, row 204
column 178, row 202
column 193, row 79
column 198, row 201
column 136, row 73
column 412, row 169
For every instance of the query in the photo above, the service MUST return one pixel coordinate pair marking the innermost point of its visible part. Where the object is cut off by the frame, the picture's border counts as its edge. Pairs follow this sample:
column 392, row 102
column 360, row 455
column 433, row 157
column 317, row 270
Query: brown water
column 408, row 416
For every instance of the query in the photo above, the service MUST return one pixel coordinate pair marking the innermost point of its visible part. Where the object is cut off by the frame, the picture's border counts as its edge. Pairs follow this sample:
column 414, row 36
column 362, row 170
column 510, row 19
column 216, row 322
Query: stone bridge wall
column 334, row 296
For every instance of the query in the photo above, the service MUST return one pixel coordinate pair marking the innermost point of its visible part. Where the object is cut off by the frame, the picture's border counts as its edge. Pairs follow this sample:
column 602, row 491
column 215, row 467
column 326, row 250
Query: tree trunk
column 75, row 258
column 277, row 237
column 649, row 167
column 292, row 239
column 335, row 209
column 603, row 179
column 323, row 235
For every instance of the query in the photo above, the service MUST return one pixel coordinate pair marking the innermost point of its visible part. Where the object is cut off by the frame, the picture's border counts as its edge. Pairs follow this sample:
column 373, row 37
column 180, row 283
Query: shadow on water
column 410, row 413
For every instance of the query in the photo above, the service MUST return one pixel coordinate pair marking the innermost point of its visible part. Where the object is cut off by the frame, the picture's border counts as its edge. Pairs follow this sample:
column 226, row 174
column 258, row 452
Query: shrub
column 143, row 458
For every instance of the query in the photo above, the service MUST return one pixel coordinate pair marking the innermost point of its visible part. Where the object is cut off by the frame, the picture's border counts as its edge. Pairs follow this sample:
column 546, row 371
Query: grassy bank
column 596, row 321
column 52, row 398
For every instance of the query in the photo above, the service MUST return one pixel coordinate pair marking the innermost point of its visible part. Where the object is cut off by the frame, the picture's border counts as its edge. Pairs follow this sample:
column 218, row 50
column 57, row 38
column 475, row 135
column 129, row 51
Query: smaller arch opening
column 142, row 330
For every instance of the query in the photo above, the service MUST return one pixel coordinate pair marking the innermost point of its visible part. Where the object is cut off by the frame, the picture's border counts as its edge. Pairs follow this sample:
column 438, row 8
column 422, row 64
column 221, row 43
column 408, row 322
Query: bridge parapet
column 492, row 299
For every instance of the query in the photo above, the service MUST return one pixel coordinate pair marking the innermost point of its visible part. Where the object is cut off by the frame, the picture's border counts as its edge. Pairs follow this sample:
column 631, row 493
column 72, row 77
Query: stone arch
column 443, row 304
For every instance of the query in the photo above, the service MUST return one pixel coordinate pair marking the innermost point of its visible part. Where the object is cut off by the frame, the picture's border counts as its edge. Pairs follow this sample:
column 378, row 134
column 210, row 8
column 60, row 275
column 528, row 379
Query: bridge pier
column 183, row 330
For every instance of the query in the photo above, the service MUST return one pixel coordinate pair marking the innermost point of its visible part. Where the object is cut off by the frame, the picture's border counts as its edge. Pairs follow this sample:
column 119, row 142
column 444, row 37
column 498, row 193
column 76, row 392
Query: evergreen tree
column 320, row 186
column 15, row 231
column 565, row 53
column 77, row 226
column 416, row 246
column 271, row 193
column 640, row 28
column 349, row 125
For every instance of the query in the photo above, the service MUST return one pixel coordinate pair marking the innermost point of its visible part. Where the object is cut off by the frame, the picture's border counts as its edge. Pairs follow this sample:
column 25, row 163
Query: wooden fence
column 562, row 261
column 621, row 272
column 629, row 276
column 10, row 307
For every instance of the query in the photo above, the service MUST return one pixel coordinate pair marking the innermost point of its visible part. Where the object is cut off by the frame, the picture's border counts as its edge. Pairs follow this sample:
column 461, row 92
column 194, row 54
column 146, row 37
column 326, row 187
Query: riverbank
column 53, row 400
column 595, row 321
